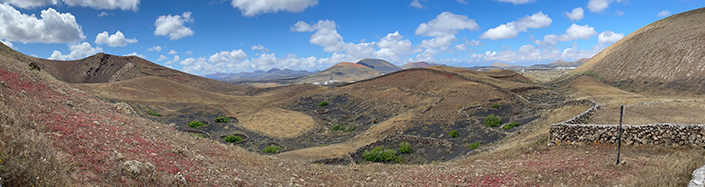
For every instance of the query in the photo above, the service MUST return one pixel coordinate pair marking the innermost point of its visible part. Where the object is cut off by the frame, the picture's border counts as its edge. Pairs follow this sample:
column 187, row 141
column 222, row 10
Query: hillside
column 561, row 63
column 666, row 54
column 379, row 65
column 104, row 68
column 344, row 72
column 419, row 65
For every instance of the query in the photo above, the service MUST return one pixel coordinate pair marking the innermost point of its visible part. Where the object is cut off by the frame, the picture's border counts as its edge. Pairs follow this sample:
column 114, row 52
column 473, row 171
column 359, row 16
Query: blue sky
column 204, row 37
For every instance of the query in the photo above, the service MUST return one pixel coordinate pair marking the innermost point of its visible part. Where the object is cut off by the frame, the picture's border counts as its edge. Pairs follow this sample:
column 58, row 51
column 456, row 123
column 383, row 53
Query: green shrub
column 222, row 119
column 195, row 124
column 511, row 125
column 495, row 105
column 233, row 139
column 337, row 127
column 453, row 134
column 405, row 147
column 350, row 128
column 272, row 149
column 153, row 113
column 493, row 121
column 381, row 154
column 474, row 145
column 323, row 103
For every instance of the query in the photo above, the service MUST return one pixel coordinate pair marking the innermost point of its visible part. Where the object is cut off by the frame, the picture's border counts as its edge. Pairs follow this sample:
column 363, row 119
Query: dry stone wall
column 574, row 131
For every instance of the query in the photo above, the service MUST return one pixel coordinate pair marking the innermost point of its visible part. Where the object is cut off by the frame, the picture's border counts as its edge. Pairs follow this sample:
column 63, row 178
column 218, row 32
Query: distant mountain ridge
column 379, row 65
column 342, row 72
column 561, row 63
column 273, row 73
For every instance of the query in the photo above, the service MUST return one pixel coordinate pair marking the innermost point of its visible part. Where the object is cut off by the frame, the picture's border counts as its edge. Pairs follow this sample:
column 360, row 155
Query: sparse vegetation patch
column 495, row 105
column 474, row 145
column 272, row 149
column 222, row 119
column 345, row 128
column 233, row 139
column 323, row 103
column 381, row 154
column 510, row 125
column 493, row 121
column 195, row 124
column 153, row 113
column 405, row 147
column 453, row 134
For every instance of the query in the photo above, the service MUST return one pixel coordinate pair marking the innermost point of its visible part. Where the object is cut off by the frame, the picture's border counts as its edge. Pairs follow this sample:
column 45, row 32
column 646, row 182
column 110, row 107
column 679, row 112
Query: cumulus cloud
column 441, row 42
column 155, row 48
column 447, row 23
column 392, row 46
column 228, row 56
column 261, row 48
column 188, row 52
column 81, row 50
column 512, row 29
column 95, row 4
column 517, row 2
column 53, row 27
column 326, row 34
column 609, row 37
column 600, row 5
column 136, row 54
column 176, row 59
column 251, row 8
column 575, row 32
column 172, row 52
column 533, row 53
column 576, row 14
column 663, row 13
column 550, row 39
column 474, row 43
column 173, row 26
column 161, row 57
column 416, row 3
column 116, row 40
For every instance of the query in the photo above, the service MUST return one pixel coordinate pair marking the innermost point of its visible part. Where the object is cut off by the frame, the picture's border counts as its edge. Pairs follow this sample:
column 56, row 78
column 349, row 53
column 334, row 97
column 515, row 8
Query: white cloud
column 441, row 42
column 550, row 39
column 172, row 52
column 251, row 8
column 576, row 14
column 225, row 56
column 8, row 44
column 609, row 37
column 416, row 4
column 95, row 4
column 173, row 26
column 600, row 5
column 261, row 48
column 81, row 50
column 326, row 35
column 517, row 2
column 446, row 23
column 512, row 29
column 575, row 32
column 474, row 43
column 161, row 57
column 618, row 13
column 115, row 40
column 103, row 14
column 460, row 47
column 155, row 48
column 176, row 59
column 136, row 54
column 53, row 27
column 392, row 46
column 663, row 13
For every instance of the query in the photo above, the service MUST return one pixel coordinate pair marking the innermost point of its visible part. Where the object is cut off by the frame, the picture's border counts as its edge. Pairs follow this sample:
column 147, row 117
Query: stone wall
column 651, row 134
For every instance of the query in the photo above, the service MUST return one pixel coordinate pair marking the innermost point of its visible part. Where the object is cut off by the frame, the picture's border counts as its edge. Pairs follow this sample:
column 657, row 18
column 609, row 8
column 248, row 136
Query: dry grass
column 689, row 112
column 545, row 76
column 277, row 122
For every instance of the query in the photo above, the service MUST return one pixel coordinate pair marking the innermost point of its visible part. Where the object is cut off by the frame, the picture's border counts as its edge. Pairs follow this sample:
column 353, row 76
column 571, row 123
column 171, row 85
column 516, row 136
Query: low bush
column 323, row 103
column 405, row 147
column 381, row 154
column 493, row 121
column 350, row 128
column 153, row 113
column 272, row 149
column 495, row 105
column 337, row 127
column 340, row 127
column 233, row 139
column 510, row 125
column 453, row 134
column 222, row 119
column 474, row 145
column 195, row 124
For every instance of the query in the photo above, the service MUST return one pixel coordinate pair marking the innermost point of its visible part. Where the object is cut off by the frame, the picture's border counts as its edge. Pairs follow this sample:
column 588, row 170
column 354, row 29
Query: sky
column 230, row 36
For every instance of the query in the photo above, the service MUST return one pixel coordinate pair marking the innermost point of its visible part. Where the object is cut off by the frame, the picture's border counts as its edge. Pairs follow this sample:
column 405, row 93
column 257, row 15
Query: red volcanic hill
column 344, row 71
